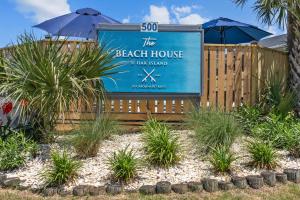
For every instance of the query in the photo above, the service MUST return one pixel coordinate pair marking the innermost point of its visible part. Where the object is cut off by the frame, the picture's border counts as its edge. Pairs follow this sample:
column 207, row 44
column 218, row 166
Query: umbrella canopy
column 76, row 24
column 227, row 31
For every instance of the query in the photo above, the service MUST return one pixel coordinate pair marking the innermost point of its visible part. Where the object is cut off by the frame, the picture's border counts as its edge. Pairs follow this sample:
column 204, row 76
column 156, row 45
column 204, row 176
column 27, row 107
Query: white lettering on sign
column 145, row 54
column 149, row 42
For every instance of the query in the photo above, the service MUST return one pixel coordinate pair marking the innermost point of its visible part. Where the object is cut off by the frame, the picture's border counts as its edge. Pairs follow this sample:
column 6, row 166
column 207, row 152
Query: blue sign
column 155, row 62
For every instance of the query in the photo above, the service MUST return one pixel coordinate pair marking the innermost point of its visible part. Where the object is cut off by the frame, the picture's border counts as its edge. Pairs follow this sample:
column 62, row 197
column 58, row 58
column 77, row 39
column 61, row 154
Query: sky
column 18, row 16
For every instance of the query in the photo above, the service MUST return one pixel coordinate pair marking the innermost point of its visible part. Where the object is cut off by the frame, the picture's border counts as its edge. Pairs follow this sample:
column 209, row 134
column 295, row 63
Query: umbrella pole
column 222, row 34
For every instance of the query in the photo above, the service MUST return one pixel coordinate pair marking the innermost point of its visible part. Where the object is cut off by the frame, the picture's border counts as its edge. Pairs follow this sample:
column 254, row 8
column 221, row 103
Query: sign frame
column 161, row 28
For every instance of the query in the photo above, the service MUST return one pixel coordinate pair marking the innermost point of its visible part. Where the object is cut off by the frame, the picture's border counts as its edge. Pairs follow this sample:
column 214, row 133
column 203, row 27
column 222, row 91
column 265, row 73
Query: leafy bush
column 221, row 159
column 88, row 138
column 63, row 169
column 293, row 141
column 161, row 147
column 248, row 117
column 124, row 165
column 49, row 79
column 282, row 133
column 14, row 150
column 214, row 128
column 262, row 154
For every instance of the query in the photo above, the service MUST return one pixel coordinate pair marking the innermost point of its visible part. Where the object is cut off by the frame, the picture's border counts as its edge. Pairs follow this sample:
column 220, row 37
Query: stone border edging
column 269, row 178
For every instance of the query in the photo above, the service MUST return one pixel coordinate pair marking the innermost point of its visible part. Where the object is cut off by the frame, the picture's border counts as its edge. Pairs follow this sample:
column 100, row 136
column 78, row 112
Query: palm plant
column 45, row 79
column 284, row 13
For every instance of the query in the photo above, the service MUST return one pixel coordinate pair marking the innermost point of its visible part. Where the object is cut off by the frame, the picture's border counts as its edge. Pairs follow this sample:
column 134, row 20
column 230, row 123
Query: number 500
column 149, row 27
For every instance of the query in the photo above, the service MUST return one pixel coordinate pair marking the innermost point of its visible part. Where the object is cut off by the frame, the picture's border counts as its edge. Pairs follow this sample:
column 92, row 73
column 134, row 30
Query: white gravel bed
column 192, row 167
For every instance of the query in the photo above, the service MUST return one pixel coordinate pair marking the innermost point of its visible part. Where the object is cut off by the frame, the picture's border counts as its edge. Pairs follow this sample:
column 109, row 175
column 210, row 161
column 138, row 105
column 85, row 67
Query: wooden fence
column 232, row 75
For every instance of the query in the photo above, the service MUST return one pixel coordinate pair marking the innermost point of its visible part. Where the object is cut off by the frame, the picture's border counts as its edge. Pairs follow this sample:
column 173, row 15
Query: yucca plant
column 214, row 128
column 277, row 97
column 262, row 155
column 45, row 78
column 64, row 169
column 221, row 159
column 124, row 165
column 89, row 136
column 161, row 146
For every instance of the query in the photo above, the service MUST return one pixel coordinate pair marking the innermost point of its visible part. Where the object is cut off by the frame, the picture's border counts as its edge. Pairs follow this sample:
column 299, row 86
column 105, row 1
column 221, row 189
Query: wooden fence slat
column 178, row 105
column 238, row 76
column 221, row 77
column 133, row 105
column 254, row 75
column 151, row 105
column 117, row 105
column 160, row 106
column 143, row 106
column 230, row 79
column 169, row 105
column 212, row 77
column 125, row 105
column 205, row 80
column 247, row 75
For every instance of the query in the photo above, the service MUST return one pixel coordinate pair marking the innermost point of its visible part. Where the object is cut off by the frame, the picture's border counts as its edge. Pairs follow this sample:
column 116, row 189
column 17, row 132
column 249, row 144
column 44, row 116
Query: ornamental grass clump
column 161, row 146
column 262, row 155
column 221, row 159
column 124, row 165
column 89, row 137
column 214, row 128
column 63, row 169
column 14, row 150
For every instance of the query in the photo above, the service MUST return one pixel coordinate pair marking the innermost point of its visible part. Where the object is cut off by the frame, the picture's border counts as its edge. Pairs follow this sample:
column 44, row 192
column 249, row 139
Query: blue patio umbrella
column 227, row 31
column 80, row 23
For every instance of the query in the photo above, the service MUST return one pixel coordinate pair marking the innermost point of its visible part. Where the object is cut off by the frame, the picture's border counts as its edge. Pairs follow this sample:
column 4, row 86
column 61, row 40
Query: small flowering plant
column 6, row 109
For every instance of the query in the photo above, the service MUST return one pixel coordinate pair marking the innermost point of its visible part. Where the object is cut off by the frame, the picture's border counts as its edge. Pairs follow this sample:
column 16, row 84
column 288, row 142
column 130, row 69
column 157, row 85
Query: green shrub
column 294, row 141
column 63, row 169
column 124, row 165
column 161, row 147
column 221, row 159
column 88, row 138
column 262, row 155
column 214, row 128
column 282, row 133
column 248, row 117
column 14, row 150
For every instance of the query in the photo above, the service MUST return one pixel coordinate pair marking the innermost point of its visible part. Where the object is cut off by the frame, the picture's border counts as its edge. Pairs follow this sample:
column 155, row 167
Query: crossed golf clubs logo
column 149, row 75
